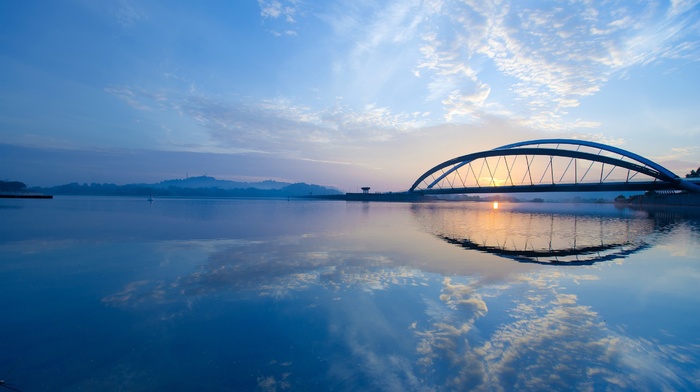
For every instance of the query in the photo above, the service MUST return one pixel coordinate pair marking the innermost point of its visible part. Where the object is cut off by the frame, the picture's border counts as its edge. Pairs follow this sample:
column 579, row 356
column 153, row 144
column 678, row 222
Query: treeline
column 292, row 190
column 12, row 187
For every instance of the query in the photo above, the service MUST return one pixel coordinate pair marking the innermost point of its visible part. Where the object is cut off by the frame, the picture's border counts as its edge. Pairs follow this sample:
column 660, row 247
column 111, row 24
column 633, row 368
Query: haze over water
column 218, row 294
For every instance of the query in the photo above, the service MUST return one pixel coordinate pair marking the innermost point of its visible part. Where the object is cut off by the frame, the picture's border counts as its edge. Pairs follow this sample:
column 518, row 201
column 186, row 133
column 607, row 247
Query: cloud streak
column 556, row 54
column 282, row 125
column 469, row 62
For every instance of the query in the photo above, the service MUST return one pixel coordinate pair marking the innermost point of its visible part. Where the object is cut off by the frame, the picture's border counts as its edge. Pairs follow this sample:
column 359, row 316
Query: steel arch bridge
column 549, row 165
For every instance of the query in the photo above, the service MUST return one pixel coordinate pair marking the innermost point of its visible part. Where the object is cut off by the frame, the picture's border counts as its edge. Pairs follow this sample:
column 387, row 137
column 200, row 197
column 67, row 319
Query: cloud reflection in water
column 526, row 331
column 548, row 342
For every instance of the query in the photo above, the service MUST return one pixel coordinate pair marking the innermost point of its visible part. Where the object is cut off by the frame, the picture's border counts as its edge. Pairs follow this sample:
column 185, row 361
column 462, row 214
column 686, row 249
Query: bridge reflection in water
column 537, row 236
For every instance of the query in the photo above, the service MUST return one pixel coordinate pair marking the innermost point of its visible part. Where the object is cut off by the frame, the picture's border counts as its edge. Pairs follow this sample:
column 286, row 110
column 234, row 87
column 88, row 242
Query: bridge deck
column 604, row 187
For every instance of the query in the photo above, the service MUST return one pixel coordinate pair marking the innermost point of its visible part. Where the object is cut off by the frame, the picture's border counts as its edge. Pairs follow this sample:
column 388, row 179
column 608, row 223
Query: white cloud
column 555, row 53
column 282, row 10
column 402, row 66
column 458, row 104
column 274, row 125
column 677, row 153
column 681, row 6
column 395, row 24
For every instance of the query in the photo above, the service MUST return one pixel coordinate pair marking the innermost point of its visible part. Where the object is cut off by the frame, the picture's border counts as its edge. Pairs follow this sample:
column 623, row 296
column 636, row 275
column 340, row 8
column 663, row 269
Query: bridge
column 549, row 165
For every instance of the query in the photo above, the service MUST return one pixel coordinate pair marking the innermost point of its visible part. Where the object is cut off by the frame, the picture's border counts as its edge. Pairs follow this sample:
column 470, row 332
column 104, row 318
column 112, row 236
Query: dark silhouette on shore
column 201, row 186
column 12, row 187
column 19, row 190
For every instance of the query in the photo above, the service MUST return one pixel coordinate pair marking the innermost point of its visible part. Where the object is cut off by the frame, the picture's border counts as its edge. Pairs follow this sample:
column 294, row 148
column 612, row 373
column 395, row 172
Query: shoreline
column 664, row 200
column 11, row 196
column 391, row 197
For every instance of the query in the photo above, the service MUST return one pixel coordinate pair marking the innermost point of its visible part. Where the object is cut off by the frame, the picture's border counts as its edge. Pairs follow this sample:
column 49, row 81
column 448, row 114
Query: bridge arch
column 549, row 165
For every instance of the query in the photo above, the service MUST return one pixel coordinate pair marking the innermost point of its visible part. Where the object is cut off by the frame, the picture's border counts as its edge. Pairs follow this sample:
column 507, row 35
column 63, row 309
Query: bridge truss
column 549, row 165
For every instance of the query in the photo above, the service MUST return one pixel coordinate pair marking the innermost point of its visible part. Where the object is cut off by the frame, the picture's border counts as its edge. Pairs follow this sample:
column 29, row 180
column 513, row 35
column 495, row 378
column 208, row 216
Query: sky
column 338, row 93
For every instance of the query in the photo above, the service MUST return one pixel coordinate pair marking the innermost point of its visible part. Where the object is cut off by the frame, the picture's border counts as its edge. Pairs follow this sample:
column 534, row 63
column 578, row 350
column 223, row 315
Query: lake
column 218, row 294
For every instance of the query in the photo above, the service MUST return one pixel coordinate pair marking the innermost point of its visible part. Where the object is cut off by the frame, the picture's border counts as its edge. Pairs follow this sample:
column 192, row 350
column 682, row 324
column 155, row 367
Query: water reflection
column 569, row 237
column 356, row 297
column 267, row 269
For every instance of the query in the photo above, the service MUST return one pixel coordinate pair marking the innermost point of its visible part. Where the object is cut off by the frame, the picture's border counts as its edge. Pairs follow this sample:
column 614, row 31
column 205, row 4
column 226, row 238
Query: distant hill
column 202, row 186
column 12, row 186
column 211, row 182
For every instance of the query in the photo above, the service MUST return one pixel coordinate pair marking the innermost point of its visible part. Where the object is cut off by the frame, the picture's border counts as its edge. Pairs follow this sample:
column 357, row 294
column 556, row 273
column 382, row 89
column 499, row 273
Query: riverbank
column 665, row 199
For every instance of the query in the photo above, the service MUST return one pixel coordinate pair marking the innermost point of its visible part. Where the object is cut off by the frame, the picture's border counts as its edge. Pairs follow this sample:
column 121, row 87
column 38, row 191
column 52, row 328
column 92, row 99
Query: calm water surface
column 274, row 295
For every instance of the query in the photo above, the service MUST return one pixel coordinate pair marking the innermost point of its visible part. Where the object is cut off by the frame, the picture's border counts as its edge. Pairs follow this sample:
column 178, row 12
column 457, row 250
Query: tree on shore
column 693, row 174
column 12, row 186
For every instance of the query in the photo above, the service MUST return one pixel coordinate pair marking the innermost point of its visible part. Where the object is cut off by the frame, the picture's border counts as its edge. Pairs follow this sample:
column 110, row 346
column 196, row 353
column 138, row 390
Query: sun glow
column 495, row 205
column 491, row 181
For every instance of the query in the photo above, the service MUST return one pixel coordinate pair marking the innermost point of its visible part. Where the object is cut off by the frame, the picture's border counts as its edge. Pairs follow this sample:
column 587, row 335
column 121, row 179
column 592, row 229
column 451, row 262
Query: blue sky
column 342, row 93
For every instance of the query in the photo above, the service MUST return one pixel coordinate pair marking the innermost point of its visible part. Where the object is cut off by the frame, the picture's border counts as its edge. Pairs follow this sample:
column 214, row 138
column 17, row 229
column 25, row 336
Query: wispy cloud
column 555, row 54
column 138, row 98
column 127, row 15
column 284, row 11
column 456, row 42
column 473, row 60
column 395, row 24
column 274, row 125
column 677, row 153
